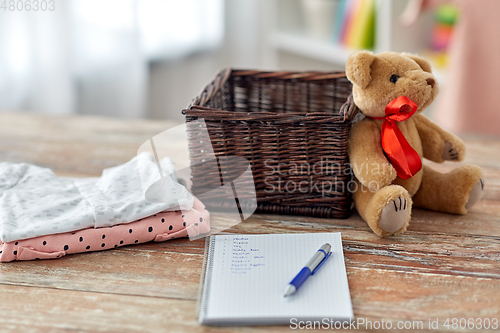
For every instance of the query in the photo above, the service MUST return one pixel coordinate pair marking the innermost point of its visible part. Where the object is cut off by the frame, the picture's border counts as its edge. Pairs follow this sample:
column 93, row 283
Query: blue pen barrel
column 301, row 277
column 311, row 267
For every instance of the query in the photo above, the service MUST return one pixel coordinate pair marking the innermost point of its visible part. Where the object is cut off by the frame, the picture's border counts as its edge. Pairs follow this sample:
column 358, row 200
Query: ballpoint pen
column 310, row 268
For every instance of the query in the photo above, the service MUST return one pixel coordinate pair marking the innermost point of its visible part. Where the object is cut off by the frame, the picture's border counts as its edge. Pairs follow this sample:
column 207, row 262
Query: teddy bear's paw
column 449, row 152
column 394, row 215
column 475, row 195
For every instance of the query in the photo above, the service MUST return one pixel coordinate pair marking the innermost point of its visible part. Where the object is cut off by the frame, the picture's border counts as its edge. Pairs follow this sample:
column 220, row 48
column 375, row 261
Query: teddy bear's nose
column 430, row 81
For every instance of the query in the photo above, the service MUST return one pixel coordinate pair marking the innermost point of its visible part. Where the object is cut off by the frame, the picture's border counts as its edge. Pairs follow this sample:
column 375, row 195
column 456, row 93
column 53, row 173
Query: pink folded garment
column 159, row 227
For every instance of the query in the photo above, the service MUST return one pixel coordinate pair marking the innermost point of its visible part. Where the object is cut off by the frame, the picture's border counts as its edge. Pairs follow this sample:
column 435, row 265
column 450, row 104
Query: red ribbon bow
column 402, row 156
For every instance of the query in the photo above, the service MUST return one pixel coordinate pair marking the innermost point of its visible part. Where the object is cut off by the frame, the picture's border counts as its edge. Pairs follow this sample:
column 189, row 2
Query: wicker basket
column 296, row 121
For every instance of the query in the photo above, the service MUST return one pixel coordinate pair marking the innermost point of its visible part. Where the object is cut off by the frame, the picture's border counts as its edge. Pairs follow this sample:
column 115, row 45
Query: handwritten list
column 249, row 273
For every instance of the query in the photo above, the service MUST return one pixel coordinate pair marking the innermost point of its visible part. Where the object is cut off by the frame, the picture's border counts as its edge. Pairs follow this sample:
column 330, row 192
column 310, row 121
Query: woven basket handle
column 211, row 89
column 349, row 110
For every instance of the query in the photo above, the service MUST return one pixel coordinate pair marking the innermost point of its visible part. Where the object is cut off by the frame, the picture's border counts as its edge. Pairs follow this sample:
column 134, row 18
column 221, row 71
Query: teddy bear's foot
column 387, row 211
column 453, row 192
column 394, row 215
column 475, row 195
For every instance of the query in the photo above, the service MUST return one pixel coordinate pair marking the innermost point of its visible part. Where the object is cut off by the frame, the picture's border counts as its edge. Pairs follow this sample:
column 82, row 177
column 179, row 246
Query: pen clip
column 322, row 262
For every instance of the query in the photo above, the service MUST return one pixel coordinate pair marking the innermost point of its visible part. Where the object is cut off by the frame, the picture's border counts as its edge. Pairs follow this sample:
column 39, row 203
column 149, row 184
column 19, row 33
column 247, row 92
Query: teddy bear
column 386, row 147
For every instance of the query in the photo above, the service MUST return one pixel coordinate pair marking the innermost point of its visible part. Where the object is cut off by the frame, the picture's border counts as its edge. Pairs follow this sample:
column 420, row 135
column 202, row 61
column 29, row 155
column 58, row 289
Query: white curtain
column 91, row 56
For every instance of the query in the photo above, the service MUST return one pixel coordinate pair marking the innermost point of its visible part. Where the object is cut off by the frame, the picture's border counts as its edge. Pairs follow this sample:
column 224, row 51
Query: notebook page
column 250, row 272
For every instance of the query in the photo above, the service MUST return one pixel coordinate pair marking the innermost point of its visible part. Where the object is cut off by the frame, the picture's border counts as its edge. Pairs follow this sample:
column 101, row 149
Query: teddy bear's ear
column 424, row 64
column 358, row 68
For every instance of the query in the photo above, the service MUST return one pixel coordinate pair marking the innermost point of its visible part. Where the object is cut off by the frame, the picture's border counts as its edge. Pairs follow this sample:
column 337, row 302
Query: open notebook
column 246, row 275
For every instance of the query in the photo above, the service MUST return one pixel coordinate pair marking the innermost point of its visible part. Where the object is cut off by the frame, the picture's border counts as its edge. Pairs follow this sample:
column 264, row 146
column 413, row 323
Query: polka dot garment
column 159, row 227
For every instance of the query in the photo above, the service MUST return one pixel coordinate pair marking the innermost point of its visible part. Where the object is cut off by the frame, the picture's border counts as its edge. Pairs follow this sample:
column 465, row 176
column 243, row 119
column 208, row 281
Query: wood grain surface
column 444, row 266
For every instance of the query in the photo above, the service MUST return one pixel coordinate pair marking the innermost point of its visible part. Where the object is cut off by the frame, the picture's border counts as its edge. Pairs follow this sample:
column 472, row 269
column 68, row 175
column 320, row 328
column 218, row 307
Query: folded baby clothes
column 35, row 202
column 158, row 227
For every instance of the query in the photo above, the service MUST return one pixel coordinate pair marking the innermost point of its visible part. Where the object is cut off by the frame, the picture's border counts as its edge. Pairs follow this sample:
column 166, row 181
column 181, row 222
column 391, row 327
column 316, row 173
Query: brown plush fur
column 383, row 199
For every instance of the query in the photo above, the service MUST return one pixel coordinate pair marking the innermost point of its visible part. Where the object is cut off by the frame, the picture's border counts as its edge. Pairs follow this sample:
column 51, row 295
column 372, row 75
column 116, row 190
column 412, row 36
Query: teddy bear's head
column 378, row 79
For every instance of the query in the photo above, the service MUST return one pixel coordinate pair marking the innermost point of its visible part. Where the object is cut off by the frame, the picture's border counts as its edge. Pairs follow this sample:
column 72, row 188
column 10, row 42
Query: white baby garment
column 35, row 202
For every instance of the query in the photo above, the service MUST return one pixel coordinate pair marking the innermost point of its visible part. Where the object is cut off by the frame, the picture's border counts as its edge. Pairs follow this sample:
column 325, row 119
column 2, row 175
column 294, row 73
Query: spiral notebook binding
column 206, row 277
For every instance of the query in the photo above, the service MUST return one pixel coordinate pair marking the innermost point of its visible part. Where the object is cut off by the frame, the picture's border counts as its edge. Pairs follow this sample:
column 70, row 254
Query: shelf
column 323, row 51
column 308, row 47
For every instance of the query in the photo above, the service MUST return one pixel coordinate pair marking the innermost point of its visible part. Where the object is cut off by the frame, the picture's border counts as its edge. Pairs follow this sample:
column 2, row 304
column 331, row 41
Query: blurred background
column 149, row 58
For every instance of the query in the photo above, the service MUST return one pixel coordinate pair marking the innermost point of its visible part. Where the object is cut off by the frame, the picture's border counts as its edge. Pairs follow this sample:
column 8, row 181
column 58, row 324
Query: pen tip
column 290, row 289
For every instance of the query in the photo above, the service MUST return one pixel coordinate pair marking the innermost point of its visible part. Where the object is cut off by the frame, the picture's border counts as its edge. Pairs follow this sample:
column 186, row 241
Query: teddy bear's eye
column 394, row 78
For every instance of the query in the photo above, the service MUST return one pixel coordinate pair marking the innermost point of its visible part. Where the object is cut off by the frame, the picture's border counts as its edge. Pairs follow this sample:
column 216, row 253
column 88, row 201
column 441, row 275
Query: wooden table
column 443, row 267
